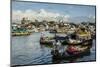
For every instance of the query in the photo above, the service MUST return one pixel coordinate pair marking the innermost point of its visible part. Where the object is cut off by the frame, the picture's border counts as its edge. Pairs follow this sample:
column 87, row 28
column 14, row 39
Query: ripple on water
column 27, row 50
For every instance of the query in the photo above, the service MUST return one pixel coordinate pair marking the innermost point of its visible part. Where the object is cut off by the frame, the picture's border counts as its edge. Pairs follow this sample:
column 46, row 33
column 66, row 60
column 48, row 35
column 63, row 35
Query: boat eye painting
column 52, row 33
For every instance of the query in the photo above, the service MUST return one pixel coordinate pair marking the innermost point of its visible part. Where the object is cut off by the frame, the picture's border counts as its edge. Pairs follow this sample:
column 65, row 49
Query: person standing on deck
column 58, row 44
column 42, row 36
column 54, row 45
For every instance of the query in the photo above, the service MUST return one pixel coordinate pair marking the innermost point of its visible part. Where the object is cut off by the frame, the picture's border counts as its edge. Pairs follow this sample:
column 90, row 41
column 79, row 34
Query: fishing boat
column 78, row 39
column 77, row 42
column 46, row 40
column 72, row 42
column 20, row 33
column 70, row 54
column 76, row 50
column 72, row 39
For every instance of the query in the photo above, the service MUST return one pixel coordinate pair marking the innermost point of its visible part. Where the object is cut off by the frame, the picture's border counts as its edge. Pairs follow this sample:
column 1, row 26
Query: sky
column 51, row 11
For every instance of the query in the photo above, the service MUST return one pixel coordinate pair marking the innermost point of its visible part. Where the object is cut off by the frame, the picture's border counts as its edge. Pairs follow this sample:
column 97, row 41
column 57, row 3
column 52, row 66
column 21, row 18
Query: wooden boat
column 78, row 42
column 46, row 41
column 75, row 50
column 67, row 55
column 75, row 42
column 20, row 33
column 76, row 39
column 50, row 40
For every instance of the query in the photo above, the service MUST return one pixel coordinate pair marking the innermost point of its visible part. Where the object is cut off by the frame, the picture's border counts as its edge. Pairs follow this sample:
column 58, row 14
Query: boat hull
column 71, row 56
column 46, row 42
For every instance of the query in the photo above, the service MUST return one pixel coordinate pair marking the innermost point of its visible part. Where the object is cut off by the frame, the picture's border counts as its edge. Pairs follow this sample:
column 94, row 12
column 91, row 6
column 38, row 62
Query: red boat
column 72, row 52
column 75, row 50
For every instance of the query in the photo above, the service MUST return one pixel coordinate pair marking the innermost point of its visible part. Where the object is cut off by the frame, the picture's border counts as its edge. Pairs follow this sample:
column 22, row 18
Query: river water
column 26, row 50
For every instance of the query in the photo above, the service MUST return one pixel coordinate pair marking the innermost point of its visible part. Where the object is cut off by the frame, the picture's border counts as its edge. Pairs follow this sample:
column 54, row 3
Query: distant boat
column 20, row 33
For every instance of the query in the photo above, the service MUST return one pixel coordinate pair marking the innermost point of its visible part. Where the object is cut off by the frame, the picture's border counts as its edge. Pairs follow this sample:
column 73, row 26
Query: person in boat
column 55, row 51
column 56, row 44
column 59, row 47
column 42, row 36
